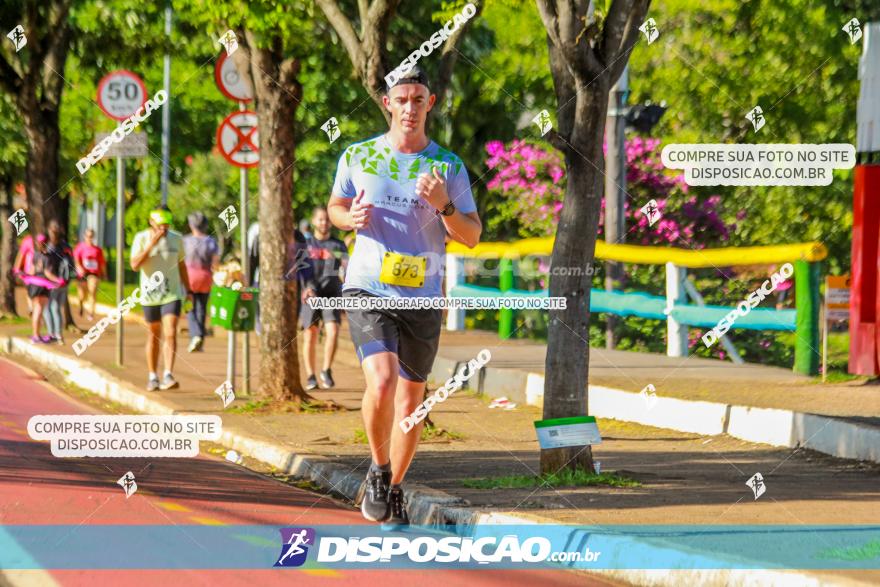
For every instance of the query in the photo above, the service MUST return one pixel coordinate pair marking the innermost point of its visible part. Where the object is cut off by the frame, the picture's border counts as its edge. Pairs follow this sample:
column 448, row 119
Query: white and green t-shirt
column 401, row 221
column 164, row 257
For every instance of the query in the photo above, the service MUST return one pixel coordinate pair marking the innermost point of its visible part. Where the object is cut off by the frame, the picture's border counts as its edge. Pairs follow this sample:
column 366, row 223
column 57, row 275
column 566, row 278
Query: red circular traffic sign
column 232, row 84
column 239, row 139
column 121, row 93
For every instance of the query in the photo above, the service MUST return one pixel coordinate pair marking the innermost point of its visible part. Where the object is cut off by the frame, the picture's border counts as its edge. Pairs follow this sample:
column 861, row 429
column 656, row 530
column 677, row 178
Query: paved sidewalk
column 686, row 478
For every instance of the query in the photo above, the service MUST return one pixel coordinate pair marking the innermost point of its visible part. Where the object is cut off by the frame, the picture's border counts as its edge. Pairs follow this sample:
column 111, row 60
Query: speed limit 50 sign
column 121, row 93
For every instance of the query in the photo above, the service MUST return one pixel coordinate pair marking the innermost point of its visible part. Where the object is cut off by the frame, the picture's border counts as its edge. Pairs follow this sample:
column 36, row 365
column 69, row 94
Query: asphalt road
column 37, row 488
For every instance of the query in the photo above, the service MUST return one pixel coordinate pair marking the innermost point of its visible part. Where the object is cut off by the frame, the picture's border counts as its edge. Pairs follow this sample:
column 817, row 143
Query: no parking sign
column 239, row 139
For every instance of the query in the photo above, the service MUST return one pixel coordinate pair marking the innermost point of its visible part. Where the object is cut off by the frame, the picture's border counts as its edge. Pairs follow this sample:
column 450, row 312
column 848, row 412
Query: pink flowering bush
column 526, row 191
column 531, row 179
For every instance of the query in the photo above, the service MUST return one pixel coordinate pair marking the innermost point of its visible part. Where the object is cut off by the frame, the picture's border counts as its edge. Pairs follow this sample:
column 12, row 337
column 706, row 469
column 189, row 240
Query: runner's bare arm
column 18, row 265
column 184, row 277
column 338, row 210
column 464, row 228
column 349, row 213
column 138, row 260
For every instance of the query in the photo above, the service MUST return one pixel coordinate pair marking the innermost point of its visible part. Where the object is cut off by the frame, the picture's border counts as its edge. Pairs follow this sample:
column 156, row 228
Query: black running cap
column 414, row 76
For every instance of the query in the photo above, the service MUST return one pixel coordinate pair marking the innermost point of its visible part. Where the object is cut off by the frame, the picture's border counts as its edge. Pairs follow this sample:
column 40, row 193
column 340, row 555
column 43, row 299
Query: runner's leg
column 310, row 340
column 92, row 289
column 39, row 302
column 169, row 337
column 81, row 294
column 380, row 371
column 153, row 345
column 403, row 444
column 331, row 330
column 200, row 307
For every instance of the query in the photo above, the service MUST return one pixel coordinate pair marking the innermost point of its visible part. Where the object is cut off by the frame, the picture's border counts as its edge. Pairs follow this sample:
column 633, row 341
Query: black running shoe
column 327, row 379
column 311, row 383
column 375, row 506
column 398, row 515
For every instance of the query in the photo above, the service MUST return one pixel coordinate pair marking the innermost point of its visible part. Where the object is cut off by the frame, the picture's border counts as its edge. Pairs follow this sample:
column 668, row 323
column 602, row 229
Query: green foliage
column 564, row 478
column 714, row 61
column 13, row 148
column 428, row 433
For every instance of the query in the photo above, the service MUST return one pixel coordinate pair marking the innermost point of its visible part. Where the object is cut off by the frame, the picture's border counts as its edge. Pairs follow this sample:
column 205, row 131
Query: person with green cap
column 159, row 248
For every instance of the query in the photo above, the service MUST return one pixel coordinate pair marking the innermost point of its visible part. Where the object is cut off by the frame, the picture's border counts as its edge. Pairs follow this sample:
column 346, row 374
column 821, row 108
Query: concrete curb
column 777, row 427
column 427, row 506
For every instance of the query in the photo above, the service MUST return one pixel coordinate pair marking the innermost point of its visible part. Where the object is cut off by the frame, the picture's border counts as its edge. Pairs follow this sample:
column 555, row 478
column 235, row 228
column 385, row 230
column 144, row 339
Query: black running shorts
column 155, row 313
column 413, row 335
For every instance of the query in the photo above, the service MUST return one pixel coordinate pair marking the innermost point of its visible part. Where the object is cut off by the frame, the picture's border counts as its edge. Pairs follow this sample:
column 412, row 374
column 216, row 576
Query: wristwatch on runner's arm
column 448, row 209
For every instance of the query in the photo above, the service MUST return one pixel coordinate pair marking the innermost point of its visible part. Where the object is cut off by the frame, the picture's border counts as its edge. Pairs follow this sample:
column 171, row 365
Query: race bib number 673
column 403, row 270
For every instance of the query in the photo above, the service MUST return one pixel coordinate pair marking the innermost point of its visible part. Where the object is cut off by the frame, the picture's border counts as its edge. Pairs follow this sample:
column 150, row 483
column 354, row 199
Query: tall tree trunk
column 586, row 58
column 45, row 202
column 8, row 249
column 568, row 356
column 37, row 87
column 278, row 93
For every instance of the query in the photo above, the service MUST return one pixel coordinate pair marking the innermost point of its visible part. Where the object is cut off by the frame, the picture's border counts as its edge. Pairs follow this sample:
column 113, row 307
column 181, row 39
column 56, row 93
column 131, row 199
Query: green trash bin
column 233, row 309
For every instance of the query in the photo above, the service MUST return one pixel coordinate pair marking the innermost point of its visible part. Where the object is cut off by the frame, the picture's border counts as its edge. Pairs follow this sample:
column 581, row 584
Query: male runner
column 403, row 194
column 159, row 248
column 328, row 254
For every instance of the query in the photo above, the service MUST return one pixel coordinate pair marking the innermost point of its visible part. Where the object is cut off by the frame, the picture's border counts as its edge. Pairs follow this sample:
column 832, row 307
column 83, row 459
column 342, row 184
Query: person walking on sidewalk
column 202, row 258
column 159, row 248
column 38, row 285
column 23, row 265
column 297, row 266
column 403, row 194
column 91, row 268
column 60, row 268
column 328, row 256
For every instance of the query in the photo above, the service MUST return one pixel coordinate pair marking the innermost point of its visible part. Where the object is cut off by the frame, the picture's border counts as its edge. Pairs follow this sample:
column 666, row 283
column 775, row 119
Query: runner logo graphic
column 294, row 547
column 854, row 30
column 230, row 217
column 331, row 127
column 225, row 390
column 756, row 116
column 19, row 221
column 542, row 119
column 229, row 41
column 17, row 37
column 757, row 485
column 128, row 484
column 649, row 393
column 651, row 212
column 649, row 29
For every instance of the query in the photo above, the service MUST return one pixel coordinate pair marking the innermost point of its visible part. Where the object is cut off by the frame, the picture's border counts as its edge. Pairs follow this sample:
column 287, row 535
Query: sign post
column 238, row 141
column 245, row 272
column 836, row 308
column 240, row 148
column 120, row 250
column 120, row 94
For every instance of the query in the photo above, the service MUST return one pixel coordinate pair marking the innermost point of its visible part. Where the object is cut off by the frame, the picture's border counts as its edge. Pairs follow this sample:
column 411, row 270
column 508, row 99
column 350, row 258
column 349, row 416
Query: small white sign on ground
column 563, row 432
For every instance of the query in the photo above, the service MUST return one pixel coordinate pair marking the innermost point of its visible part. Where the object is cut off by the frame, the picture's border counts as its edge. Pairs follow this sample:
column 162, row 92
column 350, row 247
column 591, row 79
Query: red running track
column 38, row 488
